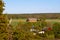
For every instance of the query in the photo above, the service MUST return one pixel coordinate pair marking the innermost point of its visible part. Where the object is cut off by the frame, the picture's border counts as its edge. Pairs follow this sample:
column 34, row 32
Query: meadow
column 16, row 21
column 21, row 29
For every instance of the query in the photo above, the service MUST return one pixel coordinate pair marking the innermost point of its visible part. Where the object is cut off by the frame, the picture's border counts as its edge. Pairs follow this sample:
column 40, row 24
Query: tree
column 1, row 6
column 3, row 23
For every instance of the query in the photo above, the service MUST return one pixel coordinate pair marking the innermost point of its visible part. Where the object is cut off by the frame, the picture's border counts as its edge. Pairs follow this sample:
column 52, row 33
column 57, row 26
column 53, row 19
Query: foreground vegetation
column 21, row 30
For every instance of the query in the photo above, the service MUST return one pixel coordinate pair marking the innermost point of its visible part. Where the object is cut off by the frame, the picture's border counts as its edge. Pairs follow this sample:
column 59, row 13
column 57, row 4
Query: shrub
column 56, row 30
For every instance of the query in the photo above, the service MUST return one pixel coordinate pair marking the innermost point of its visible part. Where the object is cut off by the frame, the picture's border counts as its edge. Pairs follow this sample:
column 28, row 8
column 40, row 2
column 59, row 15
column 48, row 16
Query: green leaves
column 56, row 29
column 1, row 7
column 3, row 23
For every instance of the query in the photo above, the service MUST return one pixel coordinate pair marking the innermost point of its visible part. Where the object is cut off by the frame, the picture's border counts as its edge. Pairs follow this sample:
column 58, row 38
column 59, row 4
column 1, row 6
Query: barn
column 32, row 20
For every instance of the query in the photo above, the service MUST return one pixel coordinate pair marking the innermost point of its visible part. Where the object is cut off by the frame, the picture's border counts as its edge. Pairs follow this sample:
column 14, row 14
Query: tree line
column 46, row 15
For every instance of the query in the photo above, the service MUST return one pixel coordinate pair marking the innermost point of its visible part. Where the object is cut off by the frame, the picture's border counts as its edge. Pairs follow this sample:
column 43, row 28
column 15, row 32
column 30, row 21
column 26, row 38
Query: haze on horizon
column 32, row 6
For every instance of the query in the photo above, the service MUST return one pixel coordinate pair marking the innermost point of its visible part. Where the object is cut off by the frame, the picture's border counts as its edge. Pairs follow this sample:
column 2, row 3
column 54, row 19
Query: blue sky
column 32, row 6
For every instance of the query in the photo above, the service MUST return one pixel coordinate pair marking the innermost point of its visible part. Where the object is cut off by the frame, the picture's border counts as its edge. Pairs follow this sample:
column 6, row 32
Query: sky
column 32, row 6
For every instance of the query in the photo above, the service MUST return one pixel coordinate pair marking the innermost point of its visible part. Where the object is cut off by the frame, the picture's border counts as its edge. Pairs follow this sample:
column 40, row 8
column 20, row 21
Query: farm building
column 32, row 20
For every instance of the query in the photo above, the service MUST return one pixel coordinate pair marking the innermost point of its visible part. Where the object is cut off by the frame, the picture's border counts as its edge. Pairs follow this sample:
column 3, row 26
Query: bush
column 22, row 31
column 56, row 30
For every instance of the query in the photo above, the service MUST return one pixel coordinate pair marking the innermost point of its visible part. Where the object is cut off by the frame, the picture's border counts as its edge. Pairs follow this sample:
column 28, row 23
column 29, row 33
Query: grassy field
column 15, row 22
column 47, row 20
column 23, row 29
column 52, row 20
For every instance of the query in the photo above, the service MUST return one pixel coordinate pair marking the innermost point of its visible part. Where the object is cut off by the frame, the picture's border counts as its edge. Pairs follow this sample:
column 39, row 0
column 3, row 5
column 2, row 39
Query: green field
column 16, row 21
column 53, row 20
column 23, row 29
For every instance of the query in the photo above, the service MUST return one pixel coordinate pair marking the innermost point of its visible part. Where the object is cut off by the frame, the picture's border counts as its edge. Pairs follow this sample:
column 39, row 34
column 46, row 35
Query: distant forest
column 36, row 15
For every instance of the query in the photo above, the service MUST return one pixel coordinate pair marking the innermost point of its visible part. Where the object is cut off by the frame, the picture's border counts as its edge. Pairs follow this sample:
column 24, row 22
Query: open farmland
column 52, row 20
column 47, row 20
column 15, row 22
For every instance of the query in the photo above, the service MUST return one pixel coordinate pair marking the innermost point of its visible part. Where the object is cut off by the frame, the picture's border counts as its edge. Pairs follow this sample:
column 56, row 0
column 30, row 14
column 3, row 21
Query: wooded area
column 36, row 15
